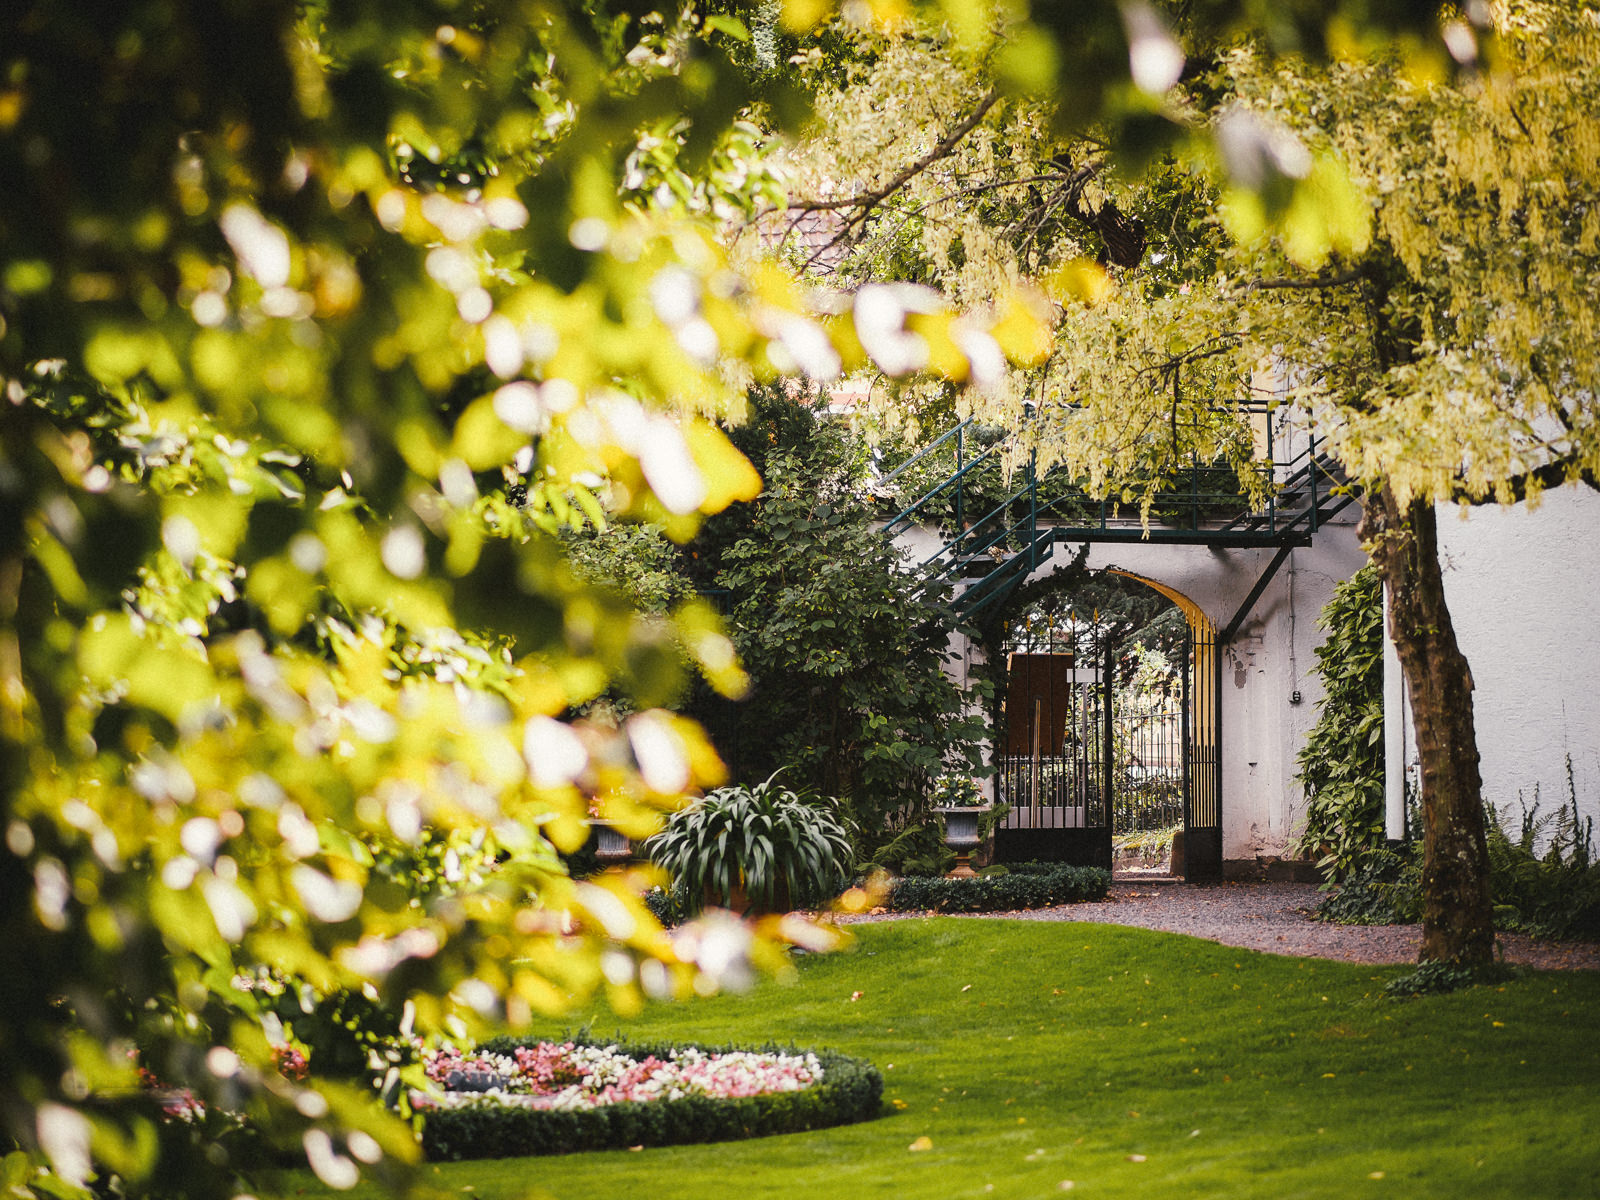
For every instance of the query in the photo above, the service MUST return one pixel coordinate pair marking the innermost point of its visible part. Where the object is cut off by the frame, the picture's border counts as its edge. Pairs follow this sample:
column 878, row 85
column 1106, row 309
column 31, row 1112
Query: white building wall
column 1524, row 592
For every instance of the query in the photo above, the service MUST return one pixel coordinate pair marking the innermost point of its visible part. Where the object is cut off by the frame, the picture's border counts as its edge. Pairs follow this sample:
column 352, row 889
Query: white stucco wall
column 1524, row 592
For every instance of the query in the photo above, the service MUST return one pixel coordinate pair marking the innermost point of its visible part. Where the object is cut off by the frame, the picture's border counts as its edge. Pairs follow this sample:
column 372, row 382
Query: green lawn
column 1133, row 1064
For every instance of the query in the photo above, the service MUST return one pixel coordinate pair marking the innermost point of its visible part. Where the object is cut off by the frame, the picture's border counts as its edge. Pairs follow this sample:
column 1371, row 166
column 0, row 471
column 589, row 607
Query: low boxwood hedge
column 1026, row 885
column 851, row 1090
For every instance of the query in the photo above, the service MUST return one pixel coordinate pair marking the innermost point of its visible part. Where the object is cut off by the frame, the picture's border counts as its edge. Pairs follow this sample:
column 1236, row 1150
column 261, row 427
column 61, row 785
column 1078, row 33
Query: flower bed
column 510, row 1098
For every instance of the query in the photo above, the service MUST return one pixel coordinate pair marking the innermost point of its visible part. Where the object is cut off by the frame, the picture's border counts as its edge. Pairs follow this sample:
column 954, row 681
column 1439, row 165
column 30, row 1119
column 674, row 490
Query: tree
column 1446, row 353
column 846, row 642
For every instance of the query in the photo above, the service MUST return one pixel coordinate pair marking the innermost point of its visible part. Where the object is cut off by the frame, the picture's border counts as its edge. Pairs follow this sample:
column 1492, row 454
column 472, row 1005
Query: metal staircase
column 987, row 555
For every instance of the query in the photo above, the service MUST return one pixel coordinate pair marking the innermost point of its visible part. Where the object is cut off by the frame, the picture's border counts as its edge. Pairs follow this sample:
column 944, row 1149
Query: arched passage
column 1080, row 747
column 1202, row 791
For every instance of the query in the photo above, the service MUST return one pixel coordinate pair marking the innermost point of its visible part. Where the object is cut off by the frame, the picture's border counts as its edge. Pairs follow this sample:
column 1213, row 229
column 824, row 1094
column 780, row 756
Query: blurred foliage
column 318, row 324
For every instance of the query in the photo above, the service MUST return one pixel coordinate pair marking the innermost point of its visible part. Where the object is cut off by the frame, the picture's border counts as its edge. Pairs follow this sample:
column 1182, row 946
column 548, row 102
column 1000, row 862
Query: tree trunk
column 1457, row 917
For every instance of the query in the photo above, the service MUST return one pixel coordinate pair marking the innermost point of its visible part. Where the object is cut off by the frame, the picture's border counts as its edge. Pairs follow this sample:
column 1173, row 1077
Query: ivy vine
column 1341, row 763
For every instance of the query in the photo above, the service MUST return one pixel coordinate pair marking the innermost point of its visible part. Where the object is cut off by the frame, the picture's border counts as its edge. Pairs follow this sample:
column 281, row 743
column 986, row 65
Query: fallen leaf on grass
column 900, row 1104
column 922, row 1143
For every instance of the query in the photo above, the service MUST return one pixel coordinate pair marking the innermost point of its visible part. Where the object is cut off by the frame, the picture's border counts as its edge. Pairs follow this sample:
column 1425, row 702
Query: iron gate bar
column 1108, row 704
column 1188, row 765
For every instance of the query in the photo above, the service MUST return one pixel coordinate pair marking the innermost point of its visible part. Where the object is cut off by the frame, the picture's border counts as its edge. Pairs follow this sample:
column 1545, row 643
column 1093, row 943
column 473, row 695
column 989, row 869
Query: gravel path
column 1275, row 917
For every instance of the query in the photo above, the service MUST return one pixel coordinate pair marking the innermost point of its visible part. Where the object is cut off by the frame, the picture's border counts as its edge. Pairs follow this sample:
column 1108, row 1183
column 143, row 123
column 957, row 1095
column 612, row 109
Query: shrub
column 918, row 849
column 1551, row 894
column 783, row 850
column 1341, row 763
column 846, row 644
column 851, row 1090
column 1554, row 894
column 1026, row 885
column 1386, row 889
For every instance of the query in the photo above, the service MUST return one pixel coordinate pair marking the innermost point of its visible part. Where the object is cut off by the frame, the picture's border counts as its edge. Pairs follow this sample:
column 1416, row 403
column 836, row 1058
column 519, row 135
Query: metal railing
column 1206, row 504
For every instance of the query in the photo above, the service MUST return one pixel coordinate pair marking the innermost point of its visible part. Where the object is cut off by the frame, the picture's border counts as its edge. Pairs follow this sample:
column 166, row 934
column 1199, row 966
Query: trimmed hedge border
column 851, row 1090
column 1027, row 885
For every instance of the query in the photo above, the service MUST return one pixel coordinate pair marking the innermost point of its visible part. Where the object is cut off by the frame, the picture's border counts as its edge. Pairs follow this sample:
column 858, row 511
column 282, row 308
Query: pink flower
column 565, row 1076
column 291, row 1063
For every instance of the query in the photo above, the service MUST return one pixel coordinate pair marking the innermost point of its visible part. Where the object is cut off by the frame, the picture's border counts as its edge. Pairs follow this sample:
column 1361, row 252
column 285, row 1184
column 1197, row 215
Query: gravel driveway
column 1275, row 917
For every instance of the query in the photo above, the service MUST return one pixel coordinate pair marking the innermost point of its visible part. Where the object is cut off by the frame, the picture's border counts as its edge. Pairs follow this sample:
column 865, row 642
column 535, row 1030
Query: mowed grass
column 1037, row 1058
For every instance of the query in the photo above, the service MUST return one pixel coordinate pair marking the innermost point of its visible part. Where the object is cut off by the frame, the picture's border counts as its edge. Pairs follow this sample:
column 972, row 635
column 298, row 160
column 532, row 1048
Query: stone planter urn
column 961, row 835
column 612, row 846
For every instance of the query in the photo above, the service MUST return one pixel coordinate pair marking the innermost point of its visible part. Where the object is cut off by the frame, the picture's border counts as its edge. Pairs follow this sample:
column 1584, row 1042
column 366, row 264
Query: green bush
column 784, row 850
column 845, row 643
column 1026, row 885
column 851, row 1090
column 1385, row 889
column 1554, row 894
column 918, row 849
column 1341, row 763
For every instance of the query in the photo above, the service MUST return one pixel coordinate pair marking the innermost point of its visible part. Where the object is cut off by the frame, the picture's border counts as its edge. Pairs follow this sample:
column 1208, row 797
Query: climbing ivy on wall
column 1341, row 763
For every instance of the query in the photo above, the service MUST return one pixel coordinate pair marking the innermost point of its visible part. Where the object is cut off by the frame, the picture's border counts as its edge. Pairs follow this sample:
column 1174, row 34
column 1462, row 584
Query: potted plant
column 957, row 799
column 756, row 849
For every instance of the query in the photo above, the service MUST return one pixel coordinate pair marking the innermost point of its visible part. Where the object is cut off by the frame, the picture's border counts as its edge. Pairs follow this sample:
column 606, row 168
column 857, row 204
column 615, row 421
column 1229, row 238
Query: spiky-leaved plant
column 780, row 848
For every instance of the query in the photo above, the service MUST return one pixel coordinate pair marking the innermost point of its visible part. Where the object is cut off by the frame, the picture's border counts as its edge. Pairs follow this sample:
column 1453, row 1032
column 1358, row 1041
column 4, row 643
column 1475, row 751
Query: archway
column 1202, row 738
column 1100, row 732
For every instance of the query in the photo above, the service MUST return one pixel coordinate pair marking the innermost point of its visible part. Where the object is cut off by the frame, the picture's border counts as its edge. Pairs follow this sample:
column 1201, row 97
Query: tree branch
column 1552, row 474
column 870, row 200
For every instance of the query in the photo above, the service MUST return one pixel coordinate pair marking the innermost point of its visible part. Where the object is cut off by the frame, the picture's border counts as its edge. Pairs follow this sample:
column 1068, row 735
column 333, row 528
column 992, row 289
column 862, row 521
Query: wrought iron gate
column 1053, row 761
column 1077, row 766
